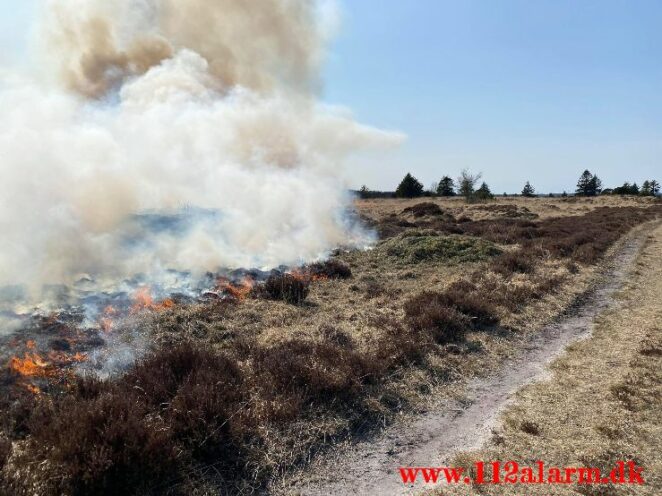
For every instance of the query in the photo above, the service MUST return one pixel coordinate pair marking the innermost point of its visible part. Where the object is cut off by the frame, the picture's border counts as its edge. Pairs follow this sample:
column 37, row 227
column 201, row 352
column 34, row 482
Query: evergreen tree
column 528, row 190
column 588, row 184
column 623, row 190
column 634, row 189
column 655, row 187
column 409, row 187
column 645, row 188
column 484, row 193
column 564, row 194
column 446, row 187
column 596, row 186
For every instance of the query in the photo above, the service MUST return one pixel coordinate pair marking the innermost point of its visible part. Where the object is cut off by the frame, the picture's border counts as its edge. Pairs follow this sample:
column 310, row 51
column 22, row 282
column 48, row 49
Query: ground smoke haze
column 179, row 135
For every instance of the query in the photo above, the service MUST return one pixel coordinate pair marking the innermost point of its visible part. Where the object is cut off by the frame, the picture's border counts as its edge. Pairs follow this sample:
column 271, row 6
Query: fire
column 240, row 290
column 108, row 318
column 308, row 276
column 31, row 365
column 60, row 358
column 35, row 366
column 32, row 388
column 143, row 301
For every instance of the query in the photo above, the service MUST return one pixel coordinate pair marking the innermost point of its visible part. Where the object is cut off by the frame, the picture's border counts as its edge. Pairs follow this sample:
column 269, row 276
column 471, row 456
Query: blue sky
column 521, row 90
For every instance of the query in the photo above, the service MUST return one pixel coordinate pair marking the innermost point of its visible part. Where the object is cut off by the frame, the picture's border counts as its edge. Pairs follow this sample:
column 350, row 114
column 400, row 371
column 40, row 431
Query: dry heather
column 237, row 391
column 618, row 372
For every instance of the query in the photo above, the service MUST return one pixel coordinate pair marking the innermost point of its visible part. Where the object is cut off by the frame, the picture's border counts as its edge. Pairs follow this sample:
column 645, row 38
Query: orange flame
column 60, row 358
column 143, row 301
column 32, row 365
column 32, row 388
column 107, row 320
column 307, row 276
column 239, row 291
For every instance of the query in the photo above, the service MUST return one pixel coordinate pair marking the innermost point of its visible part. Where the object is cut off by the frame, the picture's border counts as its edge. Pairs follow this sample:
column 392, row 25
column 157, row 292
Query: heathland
column 237, row 391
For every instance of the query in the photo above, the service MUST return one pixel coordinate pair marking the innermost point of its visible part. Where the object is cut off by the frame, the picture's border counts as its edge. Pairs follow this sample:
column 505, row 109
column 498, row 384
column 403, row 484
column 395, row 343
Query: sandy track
column 370, row 467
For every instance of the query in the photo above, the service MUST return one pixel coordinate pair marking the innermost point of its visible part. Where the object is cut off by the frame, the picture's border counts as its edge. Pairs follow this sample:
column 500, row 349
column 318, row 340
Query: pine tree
column 528, row 190
column 596, row 186
column 623, row 190
column 588, row 184
column 645, row 188
column 584, row 183
column 655, row 187
column 446, row 187
column 409, row 187
column 634, row 189
column 484, row 193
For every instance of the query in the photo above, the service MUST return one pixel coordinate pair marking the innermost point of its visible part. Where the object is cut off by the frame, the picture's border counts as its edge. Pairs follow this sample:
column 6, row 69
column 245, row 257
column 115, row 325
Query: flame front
column 240, row 290
column 31, row 365
column 143, row 300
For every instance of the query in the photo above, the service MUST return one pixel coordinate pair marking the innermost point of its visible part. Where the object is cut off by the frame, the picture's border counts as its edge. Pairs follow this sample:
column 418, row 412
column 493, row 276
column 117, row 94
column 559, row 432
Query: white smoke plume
column 152, row 106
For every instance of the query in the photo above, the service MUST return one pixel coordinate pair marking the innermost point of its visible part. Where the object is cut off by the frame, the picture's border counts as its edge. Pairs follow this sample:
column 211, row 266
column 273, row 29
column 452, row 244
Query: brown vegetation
column 242, row 389
column 618, row 373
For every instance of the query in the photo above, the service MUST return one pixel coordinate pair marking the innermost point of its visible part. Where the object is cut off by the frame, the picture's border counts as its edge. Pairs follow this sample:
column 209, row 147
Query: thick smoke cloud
column 265, row 45
column 202, row 110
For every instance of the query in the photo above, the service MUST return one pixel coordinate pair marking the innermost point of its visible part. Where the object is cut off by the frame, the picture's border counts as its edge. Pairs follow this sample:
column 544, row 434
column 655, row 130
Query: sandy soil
column 370, row 466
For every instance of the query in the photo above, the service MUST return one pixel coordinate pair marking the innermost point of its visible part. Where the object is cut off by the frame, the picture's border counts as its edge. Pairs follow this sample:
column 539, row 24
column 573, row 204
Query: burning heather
column 155, row 143
column 148, row 146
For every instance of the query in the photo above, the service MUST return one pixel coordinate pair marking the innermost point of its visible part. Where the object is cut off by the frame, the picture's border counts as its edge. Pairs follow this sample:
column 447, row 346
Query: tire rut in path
column 371, row 467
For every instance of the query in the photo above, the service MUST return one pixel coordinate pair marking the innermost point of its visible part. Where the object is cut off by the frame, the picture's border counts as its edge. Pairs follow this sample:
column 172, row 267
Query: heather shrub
column 430, row 312
column 399, row 345
column 423, row 209
column 510, row 263
column 105, row 445
column 322, row 372
column 336, row 336
column 475, row 306
column 330, row 269
column 286, row 287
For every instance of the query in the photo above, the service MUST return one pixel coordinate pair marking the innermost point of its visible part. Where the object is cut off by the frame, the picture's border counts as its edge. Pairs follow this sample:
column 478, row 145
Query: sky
column 516, row 89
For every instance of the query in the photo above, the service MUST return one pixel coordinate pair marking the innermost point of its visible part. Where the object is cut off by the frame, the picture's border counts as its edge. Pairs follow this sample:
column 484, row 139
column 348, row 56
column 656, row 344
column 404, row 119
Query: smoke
column 167, row 135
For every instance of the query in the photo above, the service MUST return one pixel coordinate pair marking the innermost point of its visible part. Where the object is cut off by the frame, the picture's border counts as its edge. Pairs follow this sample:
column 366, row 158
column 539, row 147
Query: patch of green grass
column 423, row 246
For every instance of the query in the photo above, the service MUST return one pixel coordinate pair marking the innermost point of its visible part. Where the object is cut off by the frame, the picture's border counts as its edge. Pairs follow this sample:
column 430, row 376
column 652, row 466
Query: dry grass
column 377, row 209
column 371, row 339
column 604, row 401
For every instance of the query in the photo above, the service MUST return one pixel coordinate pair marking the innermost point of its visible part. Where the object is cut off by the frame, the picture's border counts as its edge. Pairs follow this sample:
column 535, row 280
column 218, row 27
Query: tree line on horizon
column 589, row 184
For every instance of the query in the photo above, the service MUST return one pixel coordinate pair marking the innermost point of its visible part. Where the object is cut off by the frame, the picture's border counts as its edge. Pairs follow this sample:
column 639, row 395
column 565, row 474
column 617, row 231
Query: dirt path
column 370, row 467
